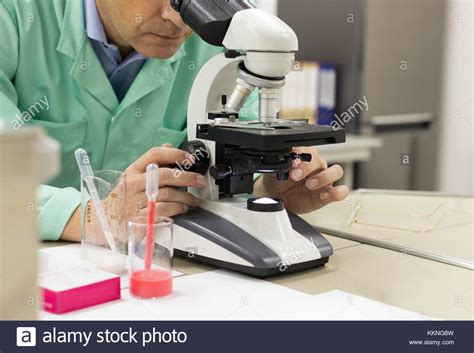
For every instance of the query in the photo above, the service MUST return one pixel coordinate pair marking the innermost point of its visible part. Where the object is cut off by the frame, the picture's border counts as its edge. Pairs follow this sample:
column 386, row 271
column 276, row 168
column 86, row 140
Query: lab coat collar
column 154, row 74
column 87, row 70
column 72, row 29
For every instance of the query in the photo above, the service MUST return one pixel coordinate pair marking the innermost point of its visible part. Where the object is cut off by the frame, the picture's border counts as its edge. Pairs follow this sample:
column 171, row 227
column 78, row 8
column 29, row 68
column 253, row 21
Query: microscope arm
column 266, row 44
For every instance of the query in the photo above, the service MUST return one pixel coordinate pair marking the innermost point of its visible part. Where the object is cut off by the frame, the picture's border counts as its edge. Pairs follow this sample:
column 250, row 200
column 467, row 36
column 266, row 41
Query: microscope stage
column 273, row 138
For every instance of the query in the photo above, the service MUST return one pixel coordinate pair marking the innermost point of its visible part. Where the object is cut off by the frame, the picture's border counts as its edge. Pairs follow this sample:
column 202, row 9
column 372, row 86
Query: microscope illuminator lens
column 265, row 204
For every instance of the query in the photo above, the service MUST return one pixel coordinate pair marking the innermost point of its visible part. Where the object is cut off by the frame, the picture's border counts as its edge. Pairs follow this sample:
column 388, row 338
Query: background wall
column 330, row 31
column 456, row 146
column 402, row 76
column 406, row 57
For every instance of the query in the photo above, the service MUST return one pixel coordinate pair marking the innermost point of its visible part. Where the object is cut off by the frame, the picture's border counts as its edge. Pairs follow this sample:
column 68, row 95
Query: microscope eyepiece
column 176, row 4
column 210, row 19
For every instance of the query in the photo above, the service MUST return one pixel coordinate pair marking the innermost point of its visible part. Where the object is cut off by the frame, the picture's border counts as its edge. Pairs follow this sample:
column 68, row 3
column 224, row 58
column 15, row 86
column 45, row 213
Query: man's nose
column 172, row 15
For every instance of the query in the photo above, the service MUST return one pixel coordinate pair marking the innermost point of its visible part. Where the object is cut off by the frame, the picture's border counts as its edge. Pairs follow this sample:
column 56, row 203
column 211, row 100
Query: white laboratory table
column 427, row 287
column 431, row 288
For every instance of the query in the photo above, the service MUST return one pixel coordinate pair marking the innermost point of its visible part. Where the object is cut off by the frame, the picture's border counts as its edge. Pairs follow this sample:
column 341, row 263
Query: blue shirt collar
column 95, row 30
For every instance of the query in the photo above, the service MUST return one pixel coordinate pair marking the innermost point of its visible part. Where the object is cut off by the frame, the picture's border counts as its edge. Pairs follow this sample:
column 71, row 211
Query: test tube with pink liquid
column 151, row 247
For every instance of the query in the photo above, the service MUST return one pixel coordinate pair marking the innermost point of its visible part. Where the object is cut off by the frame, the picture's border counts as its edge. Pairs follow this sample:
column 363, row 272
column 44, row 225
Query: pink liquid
column 149, row 235
column 151, row 283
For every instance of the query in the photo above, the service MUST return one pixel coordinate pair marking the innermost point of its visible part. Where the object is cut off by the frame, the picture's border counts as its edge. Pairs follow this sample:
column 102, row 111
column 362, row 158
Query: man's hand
column 171, row 201
column 310, row 186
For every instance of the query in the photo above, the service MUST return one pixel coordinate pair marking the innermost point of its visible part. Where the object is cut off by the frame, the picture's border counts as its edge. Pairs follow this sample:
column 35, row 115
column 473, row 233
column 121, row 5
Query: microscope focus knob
column 219, row 172
column 303, row 157
column 200, row 156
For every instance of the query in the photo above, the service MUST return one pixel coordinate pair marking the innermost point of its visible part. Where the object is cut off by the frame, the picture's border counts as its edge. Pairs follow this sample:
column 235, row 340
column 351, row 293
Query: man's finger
column 176, row 177
column 136, row 183
column 325, row 178
column 166, row 209
column 334, row 194
column 173, row 195
column 159, row 155
column 139, row 201
column 301, row 170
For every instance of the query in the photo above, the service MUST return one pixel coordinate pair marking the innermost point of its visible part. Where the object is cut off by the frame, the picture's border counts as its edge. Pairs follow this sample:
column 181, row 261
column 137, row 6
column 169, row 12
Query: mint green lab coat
column 51, row 77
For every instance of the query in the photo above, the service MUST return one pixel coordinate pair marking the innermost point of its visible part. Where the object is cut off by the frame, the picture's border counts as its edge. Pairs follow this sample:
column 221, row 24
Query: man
column 114, row 77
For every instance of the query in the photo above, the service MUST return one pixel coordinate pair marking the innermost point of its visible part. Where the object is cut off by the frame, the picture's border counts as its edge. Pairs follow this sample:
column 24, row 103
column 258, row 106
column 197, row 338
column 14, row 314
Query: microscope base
column 252, row 271
column 207, row 238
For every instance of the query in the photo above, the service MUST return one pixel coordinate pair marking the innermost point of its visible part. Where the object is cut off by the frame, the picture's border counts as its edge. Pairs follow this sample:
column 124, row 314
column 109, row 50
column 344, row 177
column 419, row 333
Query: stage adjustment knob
column 219, row 172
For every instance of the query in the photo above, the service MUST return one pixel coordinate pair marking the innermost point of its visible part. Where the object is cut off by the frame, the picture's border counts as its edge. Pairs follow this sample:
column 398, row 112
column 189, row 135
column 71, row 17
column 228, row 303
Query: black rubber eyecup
column 176, row 4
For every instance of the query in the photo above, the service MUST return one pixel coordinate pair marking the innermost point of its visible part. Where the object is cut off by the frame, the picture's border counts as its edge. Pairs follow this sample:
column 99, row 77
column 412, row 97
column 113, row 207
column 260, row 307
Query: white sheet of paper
column 339, row 305
column 430, row 223
column 389, row 219
column 73, row 276
column 223, row 295
column 69, row 256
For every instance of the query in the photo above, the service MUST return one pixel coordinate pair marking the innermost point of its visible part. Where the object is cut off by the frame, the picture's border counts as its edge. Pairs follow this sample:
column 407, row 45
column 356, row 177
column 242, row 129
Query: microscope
column 230, row 228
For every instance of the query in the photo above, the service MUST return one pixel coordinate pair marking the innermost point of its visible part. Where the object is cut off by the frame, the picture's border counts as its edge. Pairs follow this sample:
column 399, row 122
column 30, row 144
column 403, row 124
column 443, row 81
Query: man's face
column 151, row 27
